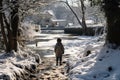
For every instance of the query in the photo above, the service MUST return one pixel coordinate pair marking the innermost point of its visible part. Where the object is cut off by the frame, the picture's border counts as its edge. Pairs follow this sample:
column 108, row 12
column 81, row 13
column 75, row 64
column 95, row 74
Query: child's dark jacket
column 59, row 49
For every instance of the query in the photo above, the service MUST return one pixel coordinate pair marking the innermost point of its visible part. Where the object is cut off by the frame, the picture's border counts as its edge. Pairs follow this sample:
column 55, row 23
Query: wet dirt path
column 49, row 71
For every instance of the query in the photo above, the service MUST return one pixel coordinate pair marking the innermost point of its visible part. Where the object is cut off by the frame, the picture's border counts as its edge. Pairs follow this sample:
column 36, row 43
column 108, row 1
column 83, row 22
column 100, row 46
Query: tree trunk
column 2, row 26
column 10, row 34
column 74, row 14
column 14, row 26
column 83, row 23
column 112, row 12
column 83, row 17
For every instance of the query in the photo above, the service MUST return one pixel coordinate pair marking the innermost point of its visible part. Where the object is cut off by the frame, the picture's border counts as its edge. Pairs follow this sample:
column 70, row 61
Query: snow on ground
column 21, row 64
column 84, row 67
column 18, row 66
column 102, row 64
column 88, row 25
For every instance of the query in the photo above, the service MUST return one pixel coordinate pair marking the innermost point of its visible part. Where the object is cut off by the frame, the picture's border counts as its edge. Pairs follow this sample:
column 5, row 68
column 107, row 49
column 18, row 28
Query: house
column 46, row 18
column 59, row 22
column 49, row 19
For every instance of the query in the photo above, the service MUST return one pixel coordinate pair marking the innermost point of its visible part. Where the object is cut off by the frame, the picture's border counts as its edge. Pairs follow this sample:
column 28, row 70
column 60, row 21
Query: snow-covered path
column 101, row 63
column 44, row 45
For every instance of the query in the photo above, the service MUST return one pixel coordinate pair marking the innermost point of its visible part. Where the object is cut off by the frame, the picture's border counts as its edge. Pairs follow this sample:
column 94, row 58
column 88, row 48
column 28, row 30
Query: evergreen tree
column 112, row 13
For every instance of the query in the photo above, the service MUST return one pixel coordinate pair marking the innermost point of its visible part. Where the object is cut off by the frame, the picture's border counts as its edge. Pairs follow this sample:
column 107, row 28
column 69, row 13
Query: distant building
column 49, row 19
column 60, row 22
column 46, row 18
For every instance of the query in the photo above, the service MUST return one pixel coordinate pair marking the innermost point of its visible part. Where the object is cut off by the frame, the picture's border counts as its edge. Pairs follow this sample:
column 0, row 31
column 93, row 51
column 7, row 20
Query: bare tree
column 9, row 27
column 83, row 16
column 82, row 23
column 11, row 13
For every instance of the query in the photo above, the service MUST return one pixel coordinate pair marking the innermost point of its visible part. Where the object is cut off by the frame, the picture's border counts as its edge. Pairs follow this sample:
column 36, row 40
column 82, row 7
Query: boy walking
column 59, row 50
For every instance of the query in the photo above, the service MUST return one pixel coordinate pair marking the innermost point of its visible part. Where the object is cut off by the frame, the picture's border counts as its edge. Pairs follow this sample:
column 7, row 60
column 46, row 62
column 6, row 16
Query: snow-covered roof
column 50, row 12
